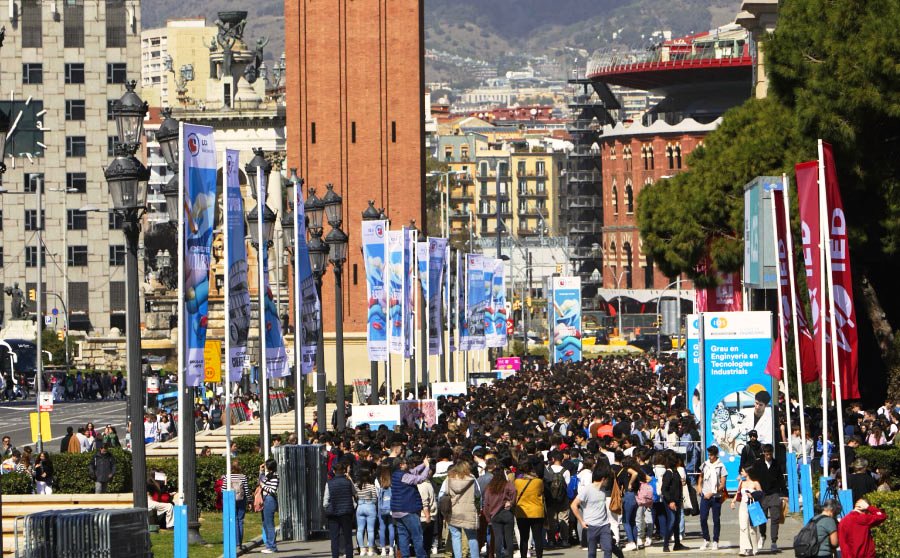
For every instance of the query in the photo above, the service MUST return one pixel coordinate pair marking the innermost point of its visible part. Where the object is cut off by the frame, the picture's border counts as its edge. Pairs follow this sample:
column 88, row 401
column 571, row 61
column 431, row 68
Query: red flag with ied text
column 808, row 201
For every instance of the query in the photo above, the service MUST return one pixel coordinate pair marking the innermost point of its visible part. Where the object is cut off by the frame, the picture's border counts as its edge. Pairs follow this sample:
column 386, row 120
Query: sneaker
column 762, row 543
column 704, row 545
column 267, row 551
column 715, row 546
column 666, row 549
column 629, row 546
column 680, row 546
column 371, row 551
column 484, row 549
column 774, row 548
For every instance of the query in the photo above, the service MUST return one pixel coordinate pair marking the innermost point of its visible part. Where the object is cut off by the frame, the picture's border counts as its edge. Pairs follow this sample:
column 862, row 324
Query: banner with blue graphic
column 566, row 319
column 736, row 391
column 488, row 265
column 374, row 240
column 396, row 292
column 472, row 329
column 409, row 290
column 199, row 212
column 422, row 267
column 461, row 329
column 498, row 304
column 237, row 313
column 437, row 250
column 305, row 292
column 277, row 365
column 692, row 356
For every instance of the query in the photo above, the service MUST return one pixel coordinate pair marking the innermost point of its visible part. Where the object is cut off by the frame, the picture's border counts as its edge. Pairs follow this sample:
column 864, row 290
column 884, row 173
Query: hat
column 763, row 397
column 752, row 434
column 476, row 448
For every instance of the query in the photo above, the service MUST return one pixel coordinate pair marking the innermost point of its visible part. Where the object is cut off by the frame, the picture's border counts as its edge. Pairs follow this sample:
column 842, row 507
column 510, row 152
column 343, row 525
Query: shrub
column 16, row 483
column 70, row 473
column 885, row 458
column 887, row 535
column 246, row 444
column 208, row 470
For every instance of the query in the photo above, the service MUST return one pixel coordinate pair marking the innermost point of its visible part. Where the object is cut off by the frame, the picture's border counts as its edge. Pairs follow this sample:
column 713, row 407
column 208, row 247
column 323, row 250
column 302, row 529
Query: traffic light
column 558, row 268
column 61, row 335
column 528, row 302
column 32, row 295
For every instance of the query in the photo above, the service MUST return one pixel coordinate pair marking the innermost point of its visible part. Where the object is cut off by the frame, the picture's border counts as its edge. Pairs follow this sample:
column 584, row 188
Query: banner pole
column 229, row 539
column 781, row 329
column 820, row 321
column 299, row 330
column 261, row 252
column 181, row 535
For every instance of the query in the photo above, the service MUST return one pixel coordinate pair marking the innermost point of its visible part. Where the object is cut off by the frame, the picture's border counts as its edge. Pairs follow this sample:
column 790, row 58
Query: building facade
column 175, row 62
column 64, row 64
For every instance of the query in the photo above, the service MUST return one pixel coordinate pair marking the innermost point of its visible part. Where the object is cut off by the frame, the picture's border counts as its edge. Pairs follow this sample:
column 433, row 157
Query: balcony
column 584, row 101
column 584, row 202
column 591, row 177
column 532, row 211
column 584, row 151
column 459, row 215
column 584, row 127
column 584, row 253
column 584, row 228
column 461, row 195
column 492, row 193
column 532, row 174
column 532, row 193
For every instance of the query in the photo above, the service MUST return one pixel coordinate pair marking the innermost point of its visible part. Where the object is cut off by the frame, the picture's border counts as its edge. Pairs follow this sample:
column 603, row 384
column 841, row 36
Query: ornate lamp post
column 318, row 252
column 287, row 230
column 127, row 179
column 337, row 242
column 372, row 214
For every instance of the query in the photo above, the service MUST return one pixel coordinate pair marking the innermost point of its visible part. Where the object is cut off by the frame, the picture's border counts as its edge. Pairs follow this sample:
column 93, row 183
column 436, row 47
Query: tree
column 433, row 186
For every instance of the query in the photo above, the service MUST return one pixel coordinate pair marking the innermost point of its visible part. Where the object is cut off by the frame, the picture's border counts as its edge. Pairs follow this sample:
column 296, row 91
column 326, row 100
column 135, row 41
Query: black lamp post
column 318, row 252
column 337, row 242
column 287, row 229
column 372, row 214
column 423, row 334
column 127, row 179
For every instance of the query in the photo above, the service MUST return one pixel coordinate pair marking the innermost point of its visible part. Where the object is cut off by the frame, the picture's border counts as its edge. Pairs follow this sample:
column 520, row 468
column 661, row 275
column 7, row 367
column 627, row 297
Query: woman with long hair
column 629, row 479
column 529, row 509
column 462, row 489
column 385, row 519
column 498, row 501
column 749, row 535
column 338, row 502
column 672, row 499
column 43, row 474
column 268, row 480
column 366, row 511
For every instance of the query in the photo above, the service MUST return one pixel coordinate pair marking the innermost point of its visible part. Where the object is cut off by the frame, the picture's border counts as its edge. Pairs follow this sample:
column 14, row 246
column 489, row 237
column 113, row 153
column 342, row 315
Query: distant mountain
column 504, row 33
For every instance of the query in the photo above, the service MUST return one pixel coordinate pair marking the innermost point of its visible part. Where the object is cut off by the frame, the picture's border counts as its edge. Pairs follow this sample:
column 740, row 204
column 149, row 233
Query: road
column 14, row 419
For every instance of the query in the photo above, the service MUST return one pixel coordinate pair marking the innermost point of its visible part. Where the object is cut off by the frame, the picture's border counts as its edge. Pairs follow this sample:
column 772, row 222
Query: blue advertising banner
column 409, row 292
column 736, row 391
column 237, row 314
column 277, row 365
column 396, row 293
column 374, row 240
column 200, row 204
column 566, row 319
column 692, row 356
column 310, row 307
column 472, row 329
column 461, row 328
column 488, row 265
column 437, row 250
column 498, row 305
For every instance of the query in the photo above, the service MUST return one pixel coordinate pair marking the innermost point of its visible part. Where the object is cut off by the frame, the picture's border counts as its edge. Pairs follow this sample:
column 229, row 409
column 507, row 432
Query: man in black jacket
column 771, row 477
column 64, row 444
column 752, row 450
column 102, row 468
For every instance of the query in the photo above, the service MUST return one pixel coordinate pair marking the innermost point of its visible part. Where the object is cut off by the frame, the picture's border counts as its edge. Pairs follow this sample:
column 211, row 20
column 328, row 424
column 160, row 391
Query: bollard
column 793, row 501
column 229, row 525
column 846, row 498
column 807, row 492
column 181, row 535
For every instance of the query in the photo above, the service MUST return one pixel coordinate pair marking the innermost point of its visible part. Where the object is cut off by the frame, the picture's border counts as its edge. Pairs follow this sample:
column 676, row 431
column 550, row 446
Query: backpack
column 655, row 486
column 384, row 501
column 615, row 499
column 646, row 494
column 238, row 488
column 572, row 489
column 557, row 488
column 807, row 542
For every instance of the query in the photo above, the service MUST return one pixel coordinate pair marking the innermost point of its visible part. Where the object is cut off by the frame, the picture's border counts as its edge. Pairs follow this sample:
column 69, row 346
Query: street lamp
column 127, row 179
column 318, row 251
column 337, row 243
column 372, row 214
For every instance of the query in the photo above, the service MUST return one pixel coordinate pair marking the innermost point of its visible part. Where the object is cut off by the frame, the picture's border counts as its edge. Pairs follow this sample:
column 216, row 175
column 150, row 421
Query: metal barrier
column 85, row 533
column 303, row 474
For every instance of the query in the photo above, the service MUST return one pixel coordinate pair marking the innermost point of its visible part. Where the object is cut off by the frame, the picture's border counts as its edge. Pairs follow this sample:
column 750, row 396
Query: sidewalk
column 728, row 542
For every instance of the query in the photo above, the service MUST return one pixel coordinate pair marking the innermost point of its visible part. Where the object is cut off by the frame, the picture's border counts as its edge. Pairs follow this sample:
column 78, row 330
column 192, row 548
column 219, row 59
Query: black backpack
column 807, row 542
column 557, row 490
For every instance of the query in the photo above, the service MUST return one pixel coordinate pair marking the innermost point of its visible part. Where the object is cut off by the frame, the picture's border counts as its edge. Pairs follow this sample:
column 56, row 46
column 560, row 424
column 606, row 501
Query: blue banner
column 472, row 329
column 692, row 365
column 374, row 240
column 736, row 348
column 397, row 309
column 488, row 265
column 409, row 292
column 305, row 291
column 437, row 250
column 277, row 365
column 460, row 300
column 498, row 304
column 199, row 159
column 566, row 319
column 237, row 314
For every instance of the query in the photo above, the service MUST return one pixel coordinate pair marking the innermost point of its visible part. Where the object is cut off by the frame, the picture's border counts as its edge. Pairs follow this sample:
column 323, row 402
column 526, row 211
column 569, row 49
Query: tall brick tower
column 355, row 106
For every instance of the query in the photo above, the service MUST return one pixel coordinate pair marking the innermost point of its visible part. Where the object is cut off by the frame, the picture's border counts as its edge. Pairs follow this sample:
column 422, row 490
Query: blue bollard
column 181, row 535
column 846, row 498
column 793, row 501
column 229, row 525
column 807, row 492
column 823, row 488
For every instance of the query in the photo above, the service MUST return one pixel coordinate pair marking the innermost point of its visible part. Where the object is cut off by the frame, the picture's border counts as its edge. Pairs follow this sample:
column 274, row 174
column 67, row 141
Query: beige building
column 63, row 64
column 175, row 62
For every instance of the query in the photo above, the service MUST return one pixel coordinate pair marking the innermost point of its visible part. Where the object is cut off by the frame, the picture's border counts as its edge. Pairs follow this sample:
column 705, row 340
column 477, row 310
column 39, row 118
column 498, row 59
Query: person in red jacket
column 855, row 531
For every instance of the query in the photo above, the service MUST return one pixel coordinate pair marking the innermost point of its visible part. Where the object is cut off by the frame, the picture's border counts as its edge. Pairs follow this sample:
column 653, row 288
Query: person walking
column 672, row 500
column 406, row 505
column 855, row 534
column 771, row 476
column 529, row 510
column 101, row 469
column 241, row 498
column 385, row 521
column 366, row 511
column 826, row 528
column 462, row 489
column 43, row 474
column 629, row 478
column 338, row 503
column 589, row 508
column 749, row 535
column 710, row 485
column 268, row 480
column 497, row 503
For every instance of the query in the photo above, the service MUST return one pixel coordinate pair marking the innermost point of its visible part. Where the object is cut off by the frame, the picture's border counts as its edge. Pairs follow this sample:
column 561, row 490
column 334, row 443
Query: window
column 73, row 23
column 541, row 168
column 226, row 94
column 312, row 132
column 523, row 187
column 31, row 223
column 670, row 156
column 76, row 220
column 31, row 182
column 650, row 156
column 1, row 259
column 74, row 73
column 32, row 73
column 76, row 146
column 115, row 24
column 615, row 199
column 79, row 297
column 541, row 187
column 116, row 221
column 523, row 206
column 78, row 256
column 393, row 131
column 629, row 199
column 648, row 273
column 353, row 132
column 76, row 182
column 116, row 72
column 1, row 221
column 521, row 167
column 32, row 34
column 677, row 156
column 111, row 143
column 448, row 153
column 117, row 254
column 464, row 153
column 31, row 256
column 117, row 296
column 75, row 109
column 628, row 265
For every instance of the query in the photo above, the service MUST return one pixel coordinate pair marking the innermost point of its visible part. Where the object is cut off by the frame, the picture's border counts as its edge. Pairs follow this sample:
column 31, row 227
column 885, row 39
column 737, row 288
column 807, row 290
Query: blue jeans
column 456, row 541
column 270, row 504
column 599, row 535
column 365, row 521
column 240, row 510
column 629, row 515
column 385, row 530
column 671, row 528
column 409, row 529
column 714, row 503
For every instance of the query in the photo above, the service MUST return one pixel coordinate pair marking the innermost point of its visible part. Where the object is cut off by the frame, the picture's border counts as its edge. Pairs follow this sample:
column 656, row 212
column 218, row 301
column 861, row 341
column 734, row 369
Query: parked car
column 648, row 342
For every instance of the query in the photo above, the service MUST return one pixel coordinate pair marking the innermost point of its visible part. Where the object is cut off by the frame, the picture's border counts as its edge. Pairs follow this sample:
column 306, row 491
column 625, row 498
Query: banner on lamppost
column 397, row 309
column 199, row 160
column 488, row 267
column 461, row 326
column 409, row 292
column 566, row 319
column 375, row 253
column 277, row 365
column 437, row 250
column 472, row 328
column 305, row 291
column 237, row 312
column 498, row 304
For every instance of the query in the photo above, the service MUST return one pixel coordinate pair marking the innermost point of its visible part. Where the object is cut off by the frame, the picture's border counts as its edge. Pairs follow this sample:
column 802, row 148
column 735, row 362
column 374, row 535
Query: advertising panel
column 375, row 416
column 418, row 413
column 566, row 319
column 437, row 250
column 374, row 252
column 396, row 299
column 472, row 330
column 308, row 332
column 237, row 314
column 447, row 388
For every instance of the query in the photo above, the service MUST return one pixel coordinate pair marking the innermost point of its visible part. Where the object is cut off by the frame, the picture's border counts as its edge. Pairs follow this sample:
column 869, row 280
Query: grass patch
column 211, row 531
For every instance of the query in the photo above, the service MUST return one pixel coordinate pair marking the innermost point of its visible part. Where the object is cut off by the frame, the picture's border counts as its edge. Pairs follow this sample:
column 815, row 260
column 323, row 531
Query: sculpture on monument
column 231, row 30
column 18, row 301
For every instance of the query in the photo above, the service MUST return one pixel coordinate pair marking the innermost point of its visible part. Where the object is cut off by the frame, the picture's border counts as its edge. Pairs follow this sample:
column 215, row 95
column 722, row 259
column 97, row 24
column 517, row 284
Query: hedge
column 886, row 458
column 887, row 535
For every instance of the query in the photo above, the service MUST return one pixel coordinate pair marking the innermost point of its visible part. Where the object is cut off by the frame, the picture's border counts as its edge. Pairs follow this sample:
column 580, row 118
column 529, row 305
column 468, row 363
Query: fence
column 302, row 471
column 84, row 533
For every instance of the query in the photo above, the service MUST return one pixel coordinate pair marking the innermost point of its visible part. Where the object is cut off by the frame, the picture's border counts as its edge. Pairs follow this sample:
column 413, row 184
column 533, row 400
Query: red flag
column 841, row 283
column 773, row 367
column 809, row 369
column 808, row 201
column 726, row 297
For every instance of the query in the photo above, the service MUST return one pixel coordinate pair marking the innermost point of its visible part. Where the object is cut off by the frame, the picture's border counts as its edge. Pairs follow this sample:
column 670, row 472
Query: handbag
column 757, row 515
column 258, row 500
column 615, row 499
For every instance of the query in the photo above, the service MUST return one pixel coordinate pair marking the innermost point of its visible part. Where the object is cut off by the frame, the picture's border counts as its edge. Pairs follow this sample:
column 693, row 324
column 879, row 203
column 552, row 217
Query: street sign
column 46, row 401
column 48, row 320
column 509, row 326
column 212, row 356
column 55, row 311
column 152, row 385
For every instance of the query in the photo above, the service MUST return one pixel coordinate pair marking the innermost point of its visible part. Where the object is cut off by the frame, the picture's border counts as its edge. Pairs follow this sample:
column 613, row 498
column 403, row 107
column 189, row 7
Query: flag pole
column 226, row 234
column 820, row 319
column 782, row 330
column 299, row 330
column 261, row 253
column 181, row 535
